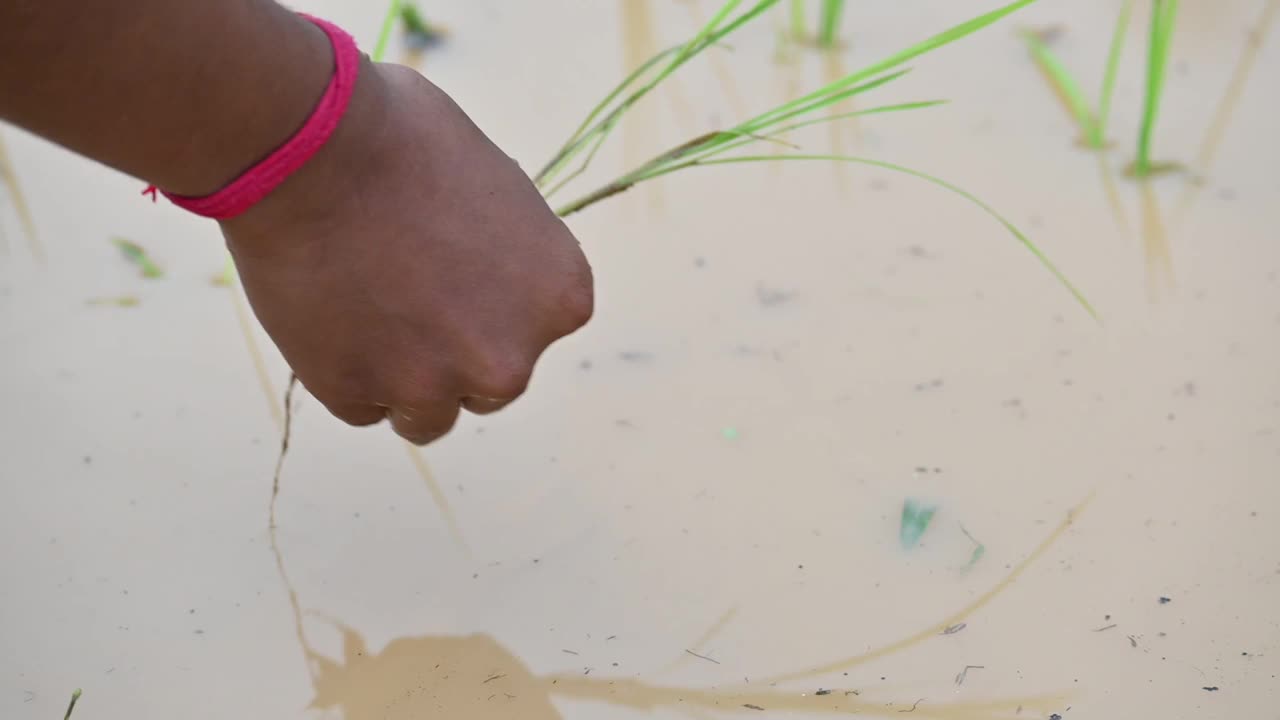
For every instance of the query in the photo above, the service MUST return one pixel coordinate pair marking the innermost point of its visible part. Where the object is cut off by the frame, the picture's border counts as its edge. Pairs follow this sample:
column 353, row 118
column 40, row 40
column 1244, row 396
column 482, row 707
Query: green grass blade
column 1013, row 229
column 708, row 35
column 936, row 41
column 823, row 101
column 829, row 25
column 777, row 132
column 690, row 48
column 898, row 107
column 384, row 34
column 1099, row 137
column 1062, row 83
column 754, row 128
column 1162, row 24
column 564, row 154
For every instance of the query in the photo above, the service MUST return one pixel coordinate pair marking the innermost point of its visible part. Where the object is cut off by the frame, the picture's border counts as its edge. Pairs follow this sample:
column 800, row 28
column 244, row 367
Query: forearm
column 185, row 94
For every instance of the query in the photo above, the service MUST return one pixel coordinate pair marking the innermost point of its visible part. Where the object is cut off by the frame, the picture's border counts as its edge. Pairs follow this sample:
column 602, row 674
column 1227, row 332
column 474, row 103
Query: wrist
column 332, row 175
column 268, row 86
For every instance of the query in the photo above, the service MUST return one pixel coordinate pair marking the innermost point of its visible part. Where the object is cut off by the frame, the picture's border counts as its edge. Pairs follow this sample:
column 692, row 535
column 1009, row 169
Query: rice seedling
column 771, row 126
column 799, row 26
column 827, row 35
column 1163, row 15
column 829, row 23
column 1091, row 123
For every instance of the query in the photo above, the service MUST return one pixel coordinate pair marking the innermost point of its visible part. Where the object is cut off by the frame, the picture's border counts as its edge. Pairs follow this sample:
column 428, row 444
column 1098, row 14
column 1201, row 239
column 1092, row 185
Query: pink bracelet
column 258, row 181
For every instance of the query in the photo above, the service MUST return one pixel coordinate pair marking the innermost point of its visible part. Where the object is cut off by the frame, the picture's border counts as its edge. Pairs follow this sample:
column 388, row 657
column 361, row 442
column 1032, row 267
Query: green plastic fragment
column 916, row 517
column 729, row 433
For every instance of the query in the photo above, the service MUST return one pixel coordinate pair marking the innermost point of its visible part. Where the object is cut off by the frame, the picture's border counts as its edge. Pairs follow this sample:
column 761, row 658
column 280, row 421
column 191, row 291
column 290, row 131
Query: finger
column 484, row 406
column 492, row 385
column 358, row 414
column 424, row 423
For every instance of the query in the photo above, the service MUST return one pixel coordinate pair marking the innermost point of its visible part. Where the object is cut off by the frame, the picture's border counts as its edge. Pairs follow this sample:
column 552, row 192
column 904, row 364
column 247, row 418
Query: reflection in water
column 1155, row 243
column 1227, row 106
column 833, row 69
column 1107, row 177
column 720, row 67
column 472, row 676
column 9, row 181
column 641, row 124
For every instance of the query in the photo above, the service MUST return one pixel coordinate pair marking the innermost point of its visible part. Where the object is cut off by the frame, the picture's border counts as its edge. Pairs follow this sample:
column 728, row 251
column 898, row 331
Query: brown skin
column 409, row 269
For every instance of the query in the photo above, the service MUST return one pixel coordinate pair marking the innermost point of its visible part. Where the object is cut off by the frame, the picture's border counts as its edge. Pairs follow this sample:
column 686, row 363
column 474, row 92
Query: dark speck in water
column 635, row 356
column 769, row 297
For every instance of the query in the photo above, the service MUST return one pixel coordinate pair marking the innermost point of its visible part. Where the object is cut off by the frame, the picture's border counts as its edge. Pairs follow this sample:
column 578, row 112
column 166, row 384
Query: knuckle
column 504, row 377
column 579, row 305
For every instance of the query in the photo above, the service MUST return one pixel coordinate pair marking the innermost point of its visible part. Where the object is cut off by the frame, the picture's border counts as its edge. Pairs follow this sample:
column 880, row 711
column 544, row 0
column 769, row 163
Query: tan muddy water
column 695, row 510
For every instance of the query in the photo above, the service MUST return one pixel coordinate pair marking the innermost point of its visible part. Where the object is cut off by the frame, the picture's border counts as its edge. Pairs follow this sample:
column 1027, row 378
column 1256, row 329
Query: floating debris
column 963, row 674
column 118, row 301
column 979, row 550
column 729, row 432
column 916, row 517
column 1165, row 600
column 770, row 297
column 134, row 253
column 702, row 657
column 1210, row 688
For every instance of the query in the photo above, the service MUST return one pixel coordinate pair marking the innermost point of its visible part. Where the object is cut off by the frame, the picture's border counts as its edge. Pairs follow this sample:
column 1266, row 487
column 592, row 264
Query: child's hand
column 411, row 267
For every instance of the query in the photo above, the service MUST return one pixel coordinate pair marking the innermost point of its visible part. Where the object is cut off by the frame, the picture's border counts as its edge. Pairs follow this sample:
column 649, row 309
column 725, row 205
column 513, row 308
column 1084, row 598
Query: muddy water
column 696, row 509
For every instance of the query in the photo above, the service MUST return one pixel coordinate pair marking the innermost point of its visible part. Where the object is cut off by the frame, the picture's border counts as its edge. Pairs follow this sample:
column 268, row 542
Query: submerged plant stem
column 9, row 179
column 75, row 697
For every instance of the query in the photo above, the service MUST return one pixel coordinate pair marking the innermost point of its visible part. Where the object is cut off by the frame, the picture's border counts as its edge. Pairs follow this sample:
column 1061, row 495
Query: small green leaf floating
column 134, row 253
column 916, row 517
